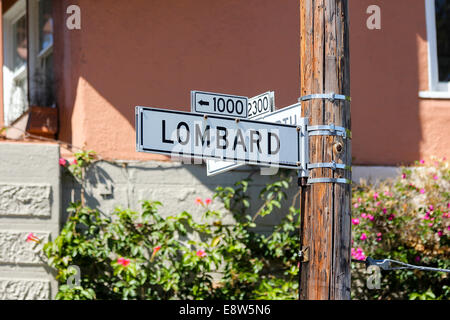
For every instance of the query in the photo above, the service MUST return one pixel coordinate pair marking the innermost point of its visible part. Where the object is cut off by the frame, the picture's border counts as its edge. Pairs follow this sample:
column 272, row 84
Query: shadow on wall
column 154, row 53
column 111, row 185
column 385, row 82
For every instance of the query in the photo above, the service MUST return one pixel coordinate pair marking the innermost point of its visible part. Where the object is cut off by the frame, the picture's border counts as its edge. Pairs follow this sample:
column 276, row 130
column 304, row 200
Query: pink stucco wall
column 152, row 53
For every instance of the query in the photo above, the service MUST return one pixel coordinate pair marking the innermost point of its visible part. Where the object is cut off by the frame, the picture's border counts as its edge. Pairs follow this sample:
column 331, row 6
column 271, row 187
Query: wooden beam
column 326, row 218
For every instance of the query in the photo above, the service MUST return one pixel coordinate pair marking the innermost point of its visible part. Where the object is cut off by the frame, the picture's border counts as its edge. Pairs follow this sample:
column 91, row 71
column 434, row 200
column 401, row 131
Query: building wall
column 29, row 202
column 391, row 124
column 153, row 53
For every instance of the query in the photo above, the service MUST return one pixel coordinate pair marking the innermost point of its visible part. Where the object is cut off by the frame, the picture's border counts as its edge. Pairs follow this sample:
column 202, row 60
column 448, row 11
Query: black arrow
column 203, row 103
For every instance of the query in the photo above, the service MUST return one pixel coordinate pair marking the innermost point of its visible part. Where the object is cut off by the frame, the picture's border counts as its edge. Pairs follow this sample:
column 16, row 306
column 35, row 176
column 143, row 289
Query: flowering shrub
column 406, row 219
column 141, row 255
column 133, row 255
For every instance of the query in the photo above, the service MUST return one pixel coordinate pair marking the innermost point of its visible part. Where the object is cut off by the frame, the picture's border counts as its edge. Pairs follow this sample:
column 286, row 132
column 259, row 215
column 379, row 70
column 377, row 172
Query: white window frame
column 436, row 88
column 17, row 11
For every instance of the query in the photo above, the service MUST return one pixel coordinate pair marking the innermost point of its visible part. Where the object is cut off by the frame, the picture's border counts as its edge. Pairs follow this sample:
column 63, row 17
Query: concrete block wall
column 29, row 202
column 175, row 185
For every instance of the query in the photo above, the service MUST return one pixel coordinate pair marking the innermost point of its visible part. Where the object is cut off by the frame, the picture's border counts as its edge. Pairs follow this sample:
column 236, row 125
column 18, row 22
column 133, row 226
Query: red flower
column 62, row 162
column 208, row 201
column 32, row 238
column 201, row 253
column 123, row 261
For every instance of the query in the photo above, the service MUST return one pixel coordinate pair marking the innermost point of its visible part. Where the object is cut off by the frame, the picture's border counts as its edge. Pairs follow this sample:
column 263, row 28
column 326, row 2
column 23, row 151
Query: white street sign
column 289, row 115
column 190, row 135
column 217, row 103
column 261, row 104
column 257, row 106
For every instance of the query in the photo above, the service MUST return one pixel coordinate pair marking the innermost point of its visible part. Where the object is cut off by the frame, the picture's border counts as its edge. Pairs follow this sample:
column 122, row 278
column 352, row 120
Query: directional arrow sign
column 289, row 115
column 257, row 106
column 189, row 135
column 217, row 103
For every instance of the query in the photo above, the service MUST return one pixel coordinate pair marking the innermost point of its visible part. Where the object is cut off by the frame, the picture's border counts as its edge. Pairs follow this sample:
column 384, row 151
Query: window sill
column 434, row 94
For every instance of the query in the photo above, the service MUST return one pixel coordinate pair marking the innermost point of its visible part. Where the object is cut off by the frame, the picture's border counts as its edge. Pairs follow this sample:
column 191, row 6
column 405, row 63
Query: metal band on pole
column 332, row 165
column 329, row 180
column 328, row 96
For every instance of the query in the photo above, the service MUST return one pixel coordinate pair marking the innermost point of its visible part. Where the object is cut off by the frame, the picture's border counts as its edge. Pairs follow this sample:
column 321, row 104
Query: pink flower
column 430, row 224
column 355, row 221
column 431, row 207
column 363, row 237
column 440, row 233
column 448, row 228
column 359, row 200
column 422, row 191
column 356, row 205
column 379, row 234
column 417, row 259
column 384, row 210
column 371, row 217
column 358, row 254
column 62, row 162
column 123, row 261
column 75, row 162
column 375, row 196
column 198, row 201
column 208, row 201
column 32, row 238
column 422, row 161
column 378, row 203
column 435, row 177
column 201, row 253
column 391, row 217
column 363, row 215
column 404, row 176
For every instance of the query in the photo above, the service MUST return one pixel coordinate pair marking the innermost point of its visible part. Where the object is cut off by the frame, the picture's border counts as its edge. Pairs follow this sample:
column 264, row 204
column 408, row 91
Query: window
column 41, row 52
column 28, row 48
column 15, row 88
column 438, row 32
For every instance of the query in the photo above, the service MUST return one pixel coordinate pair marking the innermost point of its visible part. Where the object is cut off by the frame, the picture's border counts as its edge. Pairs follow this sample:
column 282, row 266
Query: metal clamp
column 330, row 130
column 329, row 180
column 329, row 96
column 332, row 165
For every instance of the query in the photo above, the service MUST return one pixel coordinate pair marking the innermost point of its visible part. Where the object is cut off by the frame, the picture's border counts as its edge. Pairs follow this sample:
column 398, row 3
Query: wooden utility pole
column 326, row 218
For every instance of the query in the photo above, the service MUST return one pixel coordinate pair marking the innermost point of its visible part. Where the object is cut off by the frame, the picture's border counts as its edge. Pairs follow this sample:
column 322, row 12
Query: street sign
column 289, row 115
column 217, row 103
column 189, row 135
column 261, row 104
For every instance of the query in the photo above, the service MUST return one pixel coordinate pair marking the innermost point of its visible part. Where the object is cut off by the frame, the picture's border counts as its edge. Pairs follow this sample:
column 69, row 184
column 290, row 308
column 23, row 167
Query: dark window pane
column 443, row 38
column 45, row 24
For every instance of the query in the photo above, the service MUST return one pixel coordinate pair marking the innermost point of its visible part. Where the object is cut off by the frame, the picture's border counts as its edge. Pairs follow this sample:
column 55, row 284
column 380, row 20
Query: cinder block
column 24, row 289
column 25, row 200
column 14, row 249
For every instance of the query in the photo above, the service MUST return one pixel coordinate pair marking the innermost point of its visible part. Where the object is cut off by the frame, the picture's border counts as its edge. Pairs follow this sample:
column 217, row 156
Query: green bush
column 133, row 255
column 141, row 255
column 405, row 219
